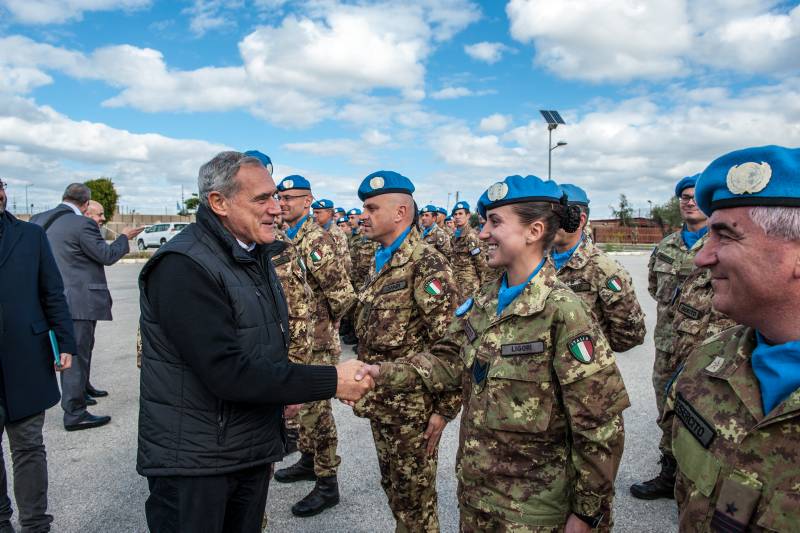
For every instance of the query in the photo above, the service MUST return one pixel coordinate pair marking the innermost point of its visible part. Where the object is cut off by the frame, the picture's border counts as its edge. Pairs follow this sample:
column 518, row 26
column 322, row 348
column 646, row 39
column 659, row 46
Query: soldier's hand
column 371, row 370
column 290, row 411
column 576, row 525
column 433, row 432
column 351, row 385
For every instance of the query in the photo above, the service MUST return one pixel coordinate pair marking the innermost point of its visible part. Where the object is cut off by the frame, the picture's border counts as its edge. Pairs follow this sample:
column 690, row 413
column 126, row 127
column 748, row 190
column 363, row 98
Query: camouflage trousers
column 662, row 374
column 472, row 520
column 318, row 428
column 408, row 476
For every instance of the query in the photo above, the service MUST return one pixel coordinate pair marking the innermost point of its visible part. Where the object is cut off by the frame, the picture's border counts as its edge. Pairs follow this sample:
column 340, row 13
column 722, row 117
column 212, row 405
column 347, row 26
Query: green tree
column 667, row 215
column 192, row 203
column 623, row 212
column 103, row 191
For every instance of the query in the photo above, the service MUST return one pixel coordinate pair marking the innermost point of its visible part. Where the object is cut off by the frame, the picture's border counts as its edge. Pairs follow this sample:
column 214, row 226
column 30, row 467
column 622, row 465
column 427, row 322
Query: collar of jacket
column 676, row 240
column 466, row 229
column 581, row 255
column 402, row 255
column 211, row 223
column 308, row 225
column 530, row 302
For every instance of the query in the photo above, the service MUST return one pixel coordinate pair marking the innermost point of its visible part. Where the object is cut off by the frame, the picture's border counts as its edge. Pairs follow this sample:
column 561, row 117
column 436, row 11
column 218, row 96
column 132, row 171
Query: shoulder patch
column 465, row 307
column 582, row 348
column 475, row 251
column 315, row 256
column 614, row 283
column 434, row 287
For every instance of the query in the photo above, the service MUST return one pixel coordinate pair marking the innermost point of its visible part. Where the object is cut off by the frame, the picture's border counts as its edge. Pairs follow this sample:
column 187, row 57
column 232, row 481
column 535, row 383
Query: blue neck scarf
column 560, row 258
column 691, row 237
column 354, row 231
column 507, row 294
column 291, row 231
column 457, row 232
column 384, row 255
column 777, row 368
column 328, row 225
column 426, row 231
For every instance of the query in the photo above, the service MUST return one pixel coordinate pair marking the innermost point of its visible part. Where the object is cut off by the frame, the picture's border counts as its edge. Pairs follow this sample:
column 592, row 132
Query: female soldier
column 542, row 433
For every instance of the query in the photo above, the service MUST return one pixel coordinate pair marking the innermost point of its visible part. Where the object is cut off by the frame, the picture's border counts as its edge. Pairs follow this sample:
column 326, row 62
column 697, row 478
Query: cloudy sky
column 446, row 92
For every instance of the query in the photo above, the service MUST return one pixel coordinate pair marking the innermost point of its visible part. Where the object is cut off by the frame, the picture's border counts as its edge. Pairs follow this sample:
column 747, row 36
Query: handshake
column 355, row 379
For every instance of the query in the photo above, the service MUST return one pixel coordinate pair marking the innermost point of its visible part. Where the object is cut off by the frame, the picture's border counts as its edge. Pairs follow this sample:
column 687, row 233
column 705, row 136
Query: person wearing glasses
column 671, row 262
column 333, row 297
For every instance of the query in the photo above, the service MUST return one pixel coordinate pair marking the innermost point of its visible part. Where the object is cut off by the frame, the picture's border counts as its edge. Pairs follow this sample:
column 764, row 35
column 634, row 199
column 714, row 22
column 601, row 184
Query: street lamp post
column 27, row 208
column 553, row 119
column 550, row 155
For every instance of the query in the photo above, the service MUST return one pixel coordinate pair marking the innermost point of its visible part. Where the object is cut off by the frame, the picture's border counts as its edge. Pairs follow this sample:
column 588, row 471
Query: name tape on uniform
column 394, row 287
column 523, row 348
column 696, row 424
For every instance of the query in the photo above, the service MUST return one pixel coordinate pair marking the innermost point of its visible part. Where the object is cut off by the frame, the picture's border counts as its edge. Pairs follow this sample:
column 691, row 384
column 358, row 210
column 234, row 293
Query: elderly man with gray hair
column 215, row 372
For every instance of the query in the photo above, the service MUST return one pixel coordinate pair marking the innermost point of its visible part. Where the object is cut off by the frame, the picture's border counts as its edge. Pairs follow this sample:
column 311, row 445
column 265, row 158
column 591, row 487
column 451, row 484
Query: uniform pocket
column 519, row 396
column 697, row 464
column 692, row 327
column 386, row 326
column 780, row 511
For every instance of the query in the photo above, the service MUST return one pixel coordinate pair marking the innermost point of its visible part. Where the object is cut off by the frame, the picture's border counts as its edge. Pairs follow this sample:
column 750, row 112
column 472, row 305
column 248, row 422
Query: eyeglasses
column 287, row 197
column 2, row 185
column 685, row 198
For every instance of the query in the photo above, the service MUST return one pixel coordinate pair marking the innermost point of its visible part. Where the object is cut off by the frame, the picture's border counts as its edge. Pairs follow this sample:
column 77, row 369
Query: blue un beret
column 294, row 182
column 355, row 211
column 340, row 211
column 384, row 182
column 429, row 209
column 264, row 158
column 516, row 189
column 342, row 219
column 762, row 176
column 460, row 205
column 575, row 195
column 322, row 204
column 448, row 217
column 685, row 183
column 442, row 210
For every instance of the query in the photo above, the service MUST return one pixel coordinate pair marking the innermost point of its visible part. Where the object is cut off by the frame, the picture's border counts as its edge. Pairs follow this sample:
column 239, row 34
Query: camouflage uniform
column 469, row 261
column 542, row 432
column 695, row 321
column 440, row 240
column 362, row 251
column 670, row 264
column 402, row 310
column 291, row 270
column 333, row 296
column 737, row 466
column 342, row 247
column 607, row 289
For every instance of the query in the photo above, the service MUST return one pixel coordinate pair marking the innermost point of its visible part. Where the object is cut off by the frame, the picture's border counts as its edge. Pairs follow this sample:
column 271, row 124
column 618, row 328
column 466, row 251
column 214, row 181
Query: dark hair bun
column 571, row 218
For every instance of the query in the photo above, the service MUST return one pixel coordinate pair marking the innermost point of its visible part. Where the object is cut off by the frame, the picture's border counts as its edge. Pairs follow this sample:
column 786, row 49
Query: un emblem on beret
column 498, row 191
column 749, row 178
column 288, row 184
column 376, row 183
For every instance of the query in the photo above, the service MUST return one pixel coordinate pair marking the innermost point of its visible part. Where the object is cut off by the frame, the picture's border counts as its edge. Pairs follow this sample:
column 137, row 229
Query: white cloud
column 487, row 52
column 206, row 15
column 619, row 41
column 495, row 122
column 356, row 150
column 449, row 93
column 59, row 11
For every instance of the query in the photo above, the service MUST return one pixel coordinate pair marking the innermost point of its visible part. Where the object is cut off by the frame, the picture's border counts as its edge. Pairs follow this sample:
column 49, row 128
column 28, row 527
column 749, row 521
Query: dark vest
column 183, row 428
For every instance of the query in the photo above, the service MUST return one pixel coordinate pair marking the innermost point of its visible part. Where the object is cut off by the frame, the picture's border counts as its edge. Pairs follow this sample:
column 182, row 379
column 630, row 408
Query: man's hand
column 64, row 362
column 290, row 411
column 131, row 233
column 433, row 433
column 352, row 385
column 369, row 370
column 576, row 525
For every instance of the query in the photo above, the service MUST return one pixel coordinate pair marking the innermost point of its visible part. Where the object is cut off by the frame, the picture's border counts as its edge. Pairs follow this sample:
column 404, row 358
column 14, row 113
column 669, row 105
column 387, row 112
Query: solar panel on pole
column 547, row 116
column 557, row 117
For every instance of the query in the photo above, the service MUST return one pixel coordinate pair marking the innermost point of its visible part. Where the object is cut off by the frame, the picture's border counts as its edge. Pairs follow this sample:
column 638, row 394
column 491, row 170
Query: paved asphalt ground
column 94, row 486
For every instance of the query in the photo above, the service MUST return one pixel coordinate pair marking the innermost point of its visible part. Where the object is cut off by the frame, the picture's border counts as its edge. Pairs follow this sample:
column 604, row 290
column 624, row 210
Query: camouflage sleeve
column 435, row 294
column 445, row 246
column 652, row 281
column 479, row 260
column 594, row 396
column 623, row 316
column 323, row 265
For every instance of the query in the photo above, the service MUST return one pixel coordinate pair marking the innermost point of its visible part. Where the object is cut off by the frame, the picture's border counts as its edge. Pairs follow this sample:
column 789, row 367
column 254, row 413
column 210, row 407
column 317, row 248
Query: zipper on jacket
column 220, row 422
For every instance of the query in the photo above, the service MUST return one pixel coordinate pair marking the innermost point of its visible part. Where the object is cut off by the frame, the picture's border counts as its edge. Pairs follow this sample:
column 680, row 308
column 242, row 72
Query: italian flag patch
column 434, row 287
column 582, row 348
column 614, row 283
column 316, row 257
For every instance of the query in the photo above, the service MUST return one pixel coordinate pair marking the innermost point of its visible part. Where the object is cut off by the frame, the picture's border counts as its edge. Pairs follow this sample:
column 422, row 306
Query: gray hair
column 219, row 174
column 77, row 193
column 783, row 222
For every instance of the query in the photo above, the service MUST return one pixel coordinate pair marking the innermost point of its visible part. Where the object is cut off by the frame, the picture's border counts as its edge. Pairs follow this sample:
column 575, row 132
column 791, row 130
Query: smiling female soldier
column 542, row 433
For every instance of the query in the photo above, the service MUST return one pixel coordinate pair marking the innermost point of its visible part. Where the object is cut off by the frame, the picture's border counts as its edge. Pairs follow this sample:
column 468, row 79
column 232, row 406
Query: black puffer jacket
column 215, row 373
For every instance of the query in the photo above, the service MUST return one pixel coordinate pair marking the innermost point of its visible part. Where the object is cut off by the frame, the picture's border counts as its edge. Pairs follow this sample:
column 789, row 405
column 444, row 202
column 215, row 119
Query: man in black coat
column 215, row 372
column 31, row 304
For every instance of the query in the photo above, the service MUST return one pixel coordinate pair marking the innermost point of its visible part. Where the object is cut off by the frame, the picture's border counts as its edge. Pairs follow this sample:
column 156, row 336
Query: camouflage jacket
column 469, row 261
column 299, row 298
column 333, row 293
column 737, row 467
column 695, row 318
column 670, row 264
column 607, row 289
column 362, row 252
column 402, row 310
column 542, row 432
column 342, row 248
column 440, row 240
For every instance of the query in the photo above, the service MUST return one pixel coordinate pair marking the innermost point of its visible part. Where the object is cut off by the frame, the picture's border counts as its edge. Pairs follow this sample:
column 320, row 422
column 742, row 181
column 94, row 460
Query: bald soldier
column 405, row 306
column 432, row 233
column 601, row 282
column 333, row 297
column 670, row 264
column 736, row 404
